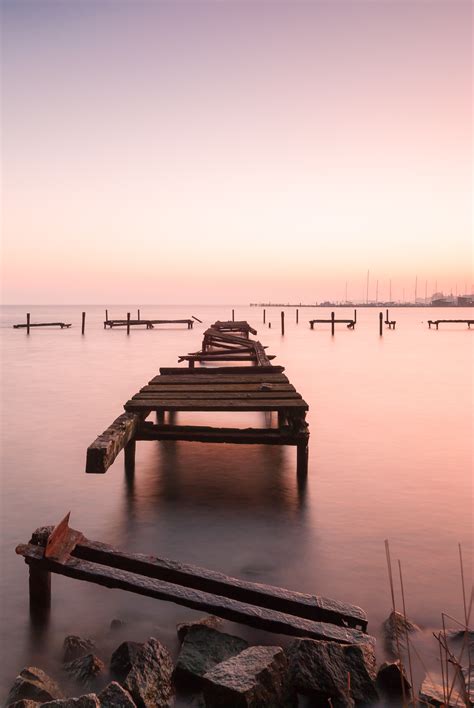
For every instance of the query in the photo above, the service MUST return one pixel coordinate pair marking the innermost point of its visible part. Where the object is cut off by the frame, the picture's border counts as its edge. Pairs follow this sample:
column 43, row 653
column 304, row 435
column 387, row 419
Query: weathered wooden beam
column 188, row 379
column 235, row 436
column 274, row 404
column 104, row 450
column 216, row 395
column 197, row 387
column 62, row 325
column 233, row 610
column 206, row 371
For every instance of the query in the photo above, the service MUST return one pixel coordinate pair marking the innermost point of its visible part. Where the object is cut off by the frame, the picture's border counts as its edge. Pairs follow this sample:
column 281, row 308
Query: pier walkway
column 149, row 324
column 438, row 322
column 258, row 388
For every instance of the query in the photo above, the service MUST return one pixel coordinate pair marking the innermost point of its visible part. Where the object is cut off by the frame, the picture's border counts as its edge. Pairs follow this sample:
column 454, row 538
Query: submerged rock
column 85, row 669
column 122, row 659
column 88, row 701
column 203, row 648
column 34, row 684
column 75, row 646
column 208, row 621
column 149, row 679
column 258, row 676
column 390, row 678
column 117, row 624
column 395, row 628
column 115, row 696
column 341, row 673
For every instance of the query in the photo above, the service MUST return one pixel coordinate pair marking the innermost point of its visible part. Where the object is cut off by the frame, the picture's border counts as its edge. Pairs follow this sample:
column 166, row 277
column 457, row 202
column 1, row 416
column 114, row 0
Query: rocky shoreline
column 215, row 669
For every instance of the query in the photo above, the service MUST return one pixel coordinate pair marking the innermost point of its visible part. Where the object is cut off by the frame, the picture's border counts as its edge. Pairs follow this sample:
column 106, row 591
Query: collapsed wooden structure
column 149, row 324
column 261, row 387
column 438, row 322
column 61, row 325
column 67, row 552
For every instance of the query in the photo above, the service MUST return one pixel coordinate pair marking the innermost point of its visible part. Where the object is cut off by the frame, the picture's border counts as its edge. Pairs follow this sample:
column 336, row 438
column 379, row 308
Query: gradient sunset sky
column 235, row 151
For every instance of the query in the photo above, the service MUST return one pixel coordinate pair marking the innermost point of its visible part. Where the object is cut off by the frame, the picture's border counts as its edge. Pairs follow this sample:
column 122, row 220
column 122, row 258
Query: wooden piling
column 355, row 316
column 233, row 317
column 302, row 459
column 297, row 315
column 83, row 327
column 40, row 589
column 264, row 315
column 106, row 315
column 380, row 323
column 282, row 322
column 27, row 323
column 138, row 315
column 128, row 322
column 332, row 323
column 386, row 314
column 269, row 325
column 129, row 456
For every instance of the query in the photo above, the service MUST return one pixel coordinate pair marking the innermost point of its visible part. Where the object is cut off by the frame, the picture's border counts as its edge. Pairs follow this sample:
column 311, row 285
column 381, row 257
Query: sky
column 235, row 151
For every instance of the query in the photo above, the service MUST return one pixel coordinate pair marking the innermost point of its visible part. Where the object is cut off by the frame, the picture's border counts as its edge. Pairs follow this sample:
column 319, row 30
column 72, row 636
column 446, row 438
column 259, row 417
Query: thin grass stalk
column 466, row 619
column 406, row 628
column 397, row 641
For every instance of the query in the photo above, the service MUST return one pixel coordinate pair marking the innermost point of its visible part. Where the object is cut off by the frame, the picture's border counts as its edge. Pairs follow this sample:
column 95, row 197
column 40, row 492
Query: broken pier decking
column 149, row 324
column 438, row 322
column 67, row 552
column 62, row 325
column 260, row 388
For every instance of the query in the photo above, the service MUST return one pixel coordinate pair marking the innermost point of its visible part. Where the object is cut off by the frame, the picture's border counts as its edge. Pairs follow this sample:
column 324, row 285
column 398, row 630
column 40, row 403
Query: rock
column 208, row 621
column 203, row 648
column 431, row 692
column 85, row 669
column 389, row 681
column 88, row 701
column 149, row 679
column 395, row 628
column 258, row 676
column 122, row 659
column 24, row 703
column 32, row 683
column 328, row 670
column 114, row 696
column 75, row 646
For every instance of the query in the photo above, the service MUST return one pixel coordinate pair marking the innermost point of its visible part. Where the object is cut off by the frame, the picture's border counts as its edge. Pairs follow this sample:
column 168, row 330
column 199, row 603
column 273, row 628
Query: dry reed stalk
column 406, row 629
column 397, row 641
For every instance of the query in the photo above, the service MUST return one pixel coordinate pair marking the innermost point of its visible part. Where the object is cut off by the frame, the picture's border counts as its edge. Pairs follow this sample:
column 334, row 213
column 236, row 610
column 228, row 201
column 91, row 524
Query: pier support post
column 40, row 590
column 283, row 322
column 332, row 323
column 302, row 459
column 128, row 322
column 380, row 323
column 269, row 325
column 355, row 316
column 297, row 315
column 106, row 318
column 129, row 456
column 83, row 328
column 264, row 315
column 160, row 417
column 386, row 317
column 138, row 315
column 233, row 317
column 27, row 323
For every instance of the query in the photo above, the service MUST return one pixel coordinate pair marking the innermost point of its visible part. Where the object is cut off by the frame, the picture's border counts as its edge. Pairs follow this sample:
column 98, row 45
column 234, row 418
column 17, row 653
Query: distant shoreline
column 356, row 304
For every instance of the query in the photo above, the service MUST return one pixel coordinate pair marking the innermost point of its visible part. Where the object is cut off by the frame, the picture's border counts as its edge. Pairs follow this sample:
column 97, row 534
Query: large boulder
column 149, row 679
column 392, row 681
column 85, row 669
column 208, row 621
column 395, row 628
column 123, row 658
column 24, row 703
column 203, row 648
column 34, row 684
column 115, row 696
column 74, row 647
column 256, row 677
column 88, row 701
column 342, row 673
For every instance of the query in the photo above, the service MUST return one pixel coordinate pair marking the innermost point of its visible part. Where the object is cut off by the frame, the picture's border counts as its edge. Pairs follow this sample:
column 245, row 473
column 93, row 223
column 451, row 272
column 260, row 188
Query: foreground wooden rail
column 259, row 388
column 67, row 552
column 438, row 322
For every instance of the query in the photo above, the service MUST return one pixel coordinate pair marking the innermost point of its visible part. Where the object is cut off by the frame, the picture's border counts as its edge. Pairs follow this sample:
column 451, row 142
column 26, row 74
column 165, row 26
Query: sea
column 390, row 458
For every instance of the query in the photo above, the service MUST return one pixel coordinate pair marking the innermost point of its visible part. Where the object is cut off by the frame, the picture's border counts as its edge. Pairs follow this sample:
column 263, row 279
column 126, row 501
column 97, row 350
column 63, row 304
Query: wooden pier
column 67, row 552
column 261, row 387
column 351, row 323
column 148, row 324
column 438, row 322
column 61, row 325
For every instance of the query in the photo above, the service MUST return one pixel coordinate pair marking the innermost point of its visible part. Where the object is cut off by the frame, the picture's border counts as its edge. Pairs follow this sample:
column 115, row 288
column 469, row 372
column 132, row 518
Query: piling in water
column 332, row 323
column 283, row 322
column 128, row 322
column 27, row 323
column 264, row 315
column 380, row 323
column 83, row 327
column 297, row 315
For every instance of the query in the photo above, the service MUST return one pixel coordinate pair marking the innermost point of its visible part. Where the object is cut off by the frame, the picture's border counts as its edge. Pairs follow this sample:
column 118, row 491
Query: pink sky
column 234, row 151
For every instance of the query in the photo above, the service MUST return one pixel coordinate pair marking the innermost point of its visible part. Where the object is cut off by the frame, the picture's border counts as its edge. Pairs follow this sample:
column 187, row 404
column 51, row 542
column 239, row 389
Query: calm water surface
column 390, row 457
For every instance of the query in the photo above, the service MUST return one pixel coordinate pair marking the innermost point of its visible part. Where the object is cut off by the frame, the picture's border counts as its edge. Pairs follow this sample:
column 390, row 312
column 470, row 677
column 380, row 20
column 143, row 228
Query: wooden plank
column 234, row 436
column 104, row 450
column 217, row 357
column 233, row 610
column 43, row 324
column 191, row 379
column 216, row 388
column 275, row 404
column 208, row 371
column 208, row 396
column 62, row 541
column 311, row 607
